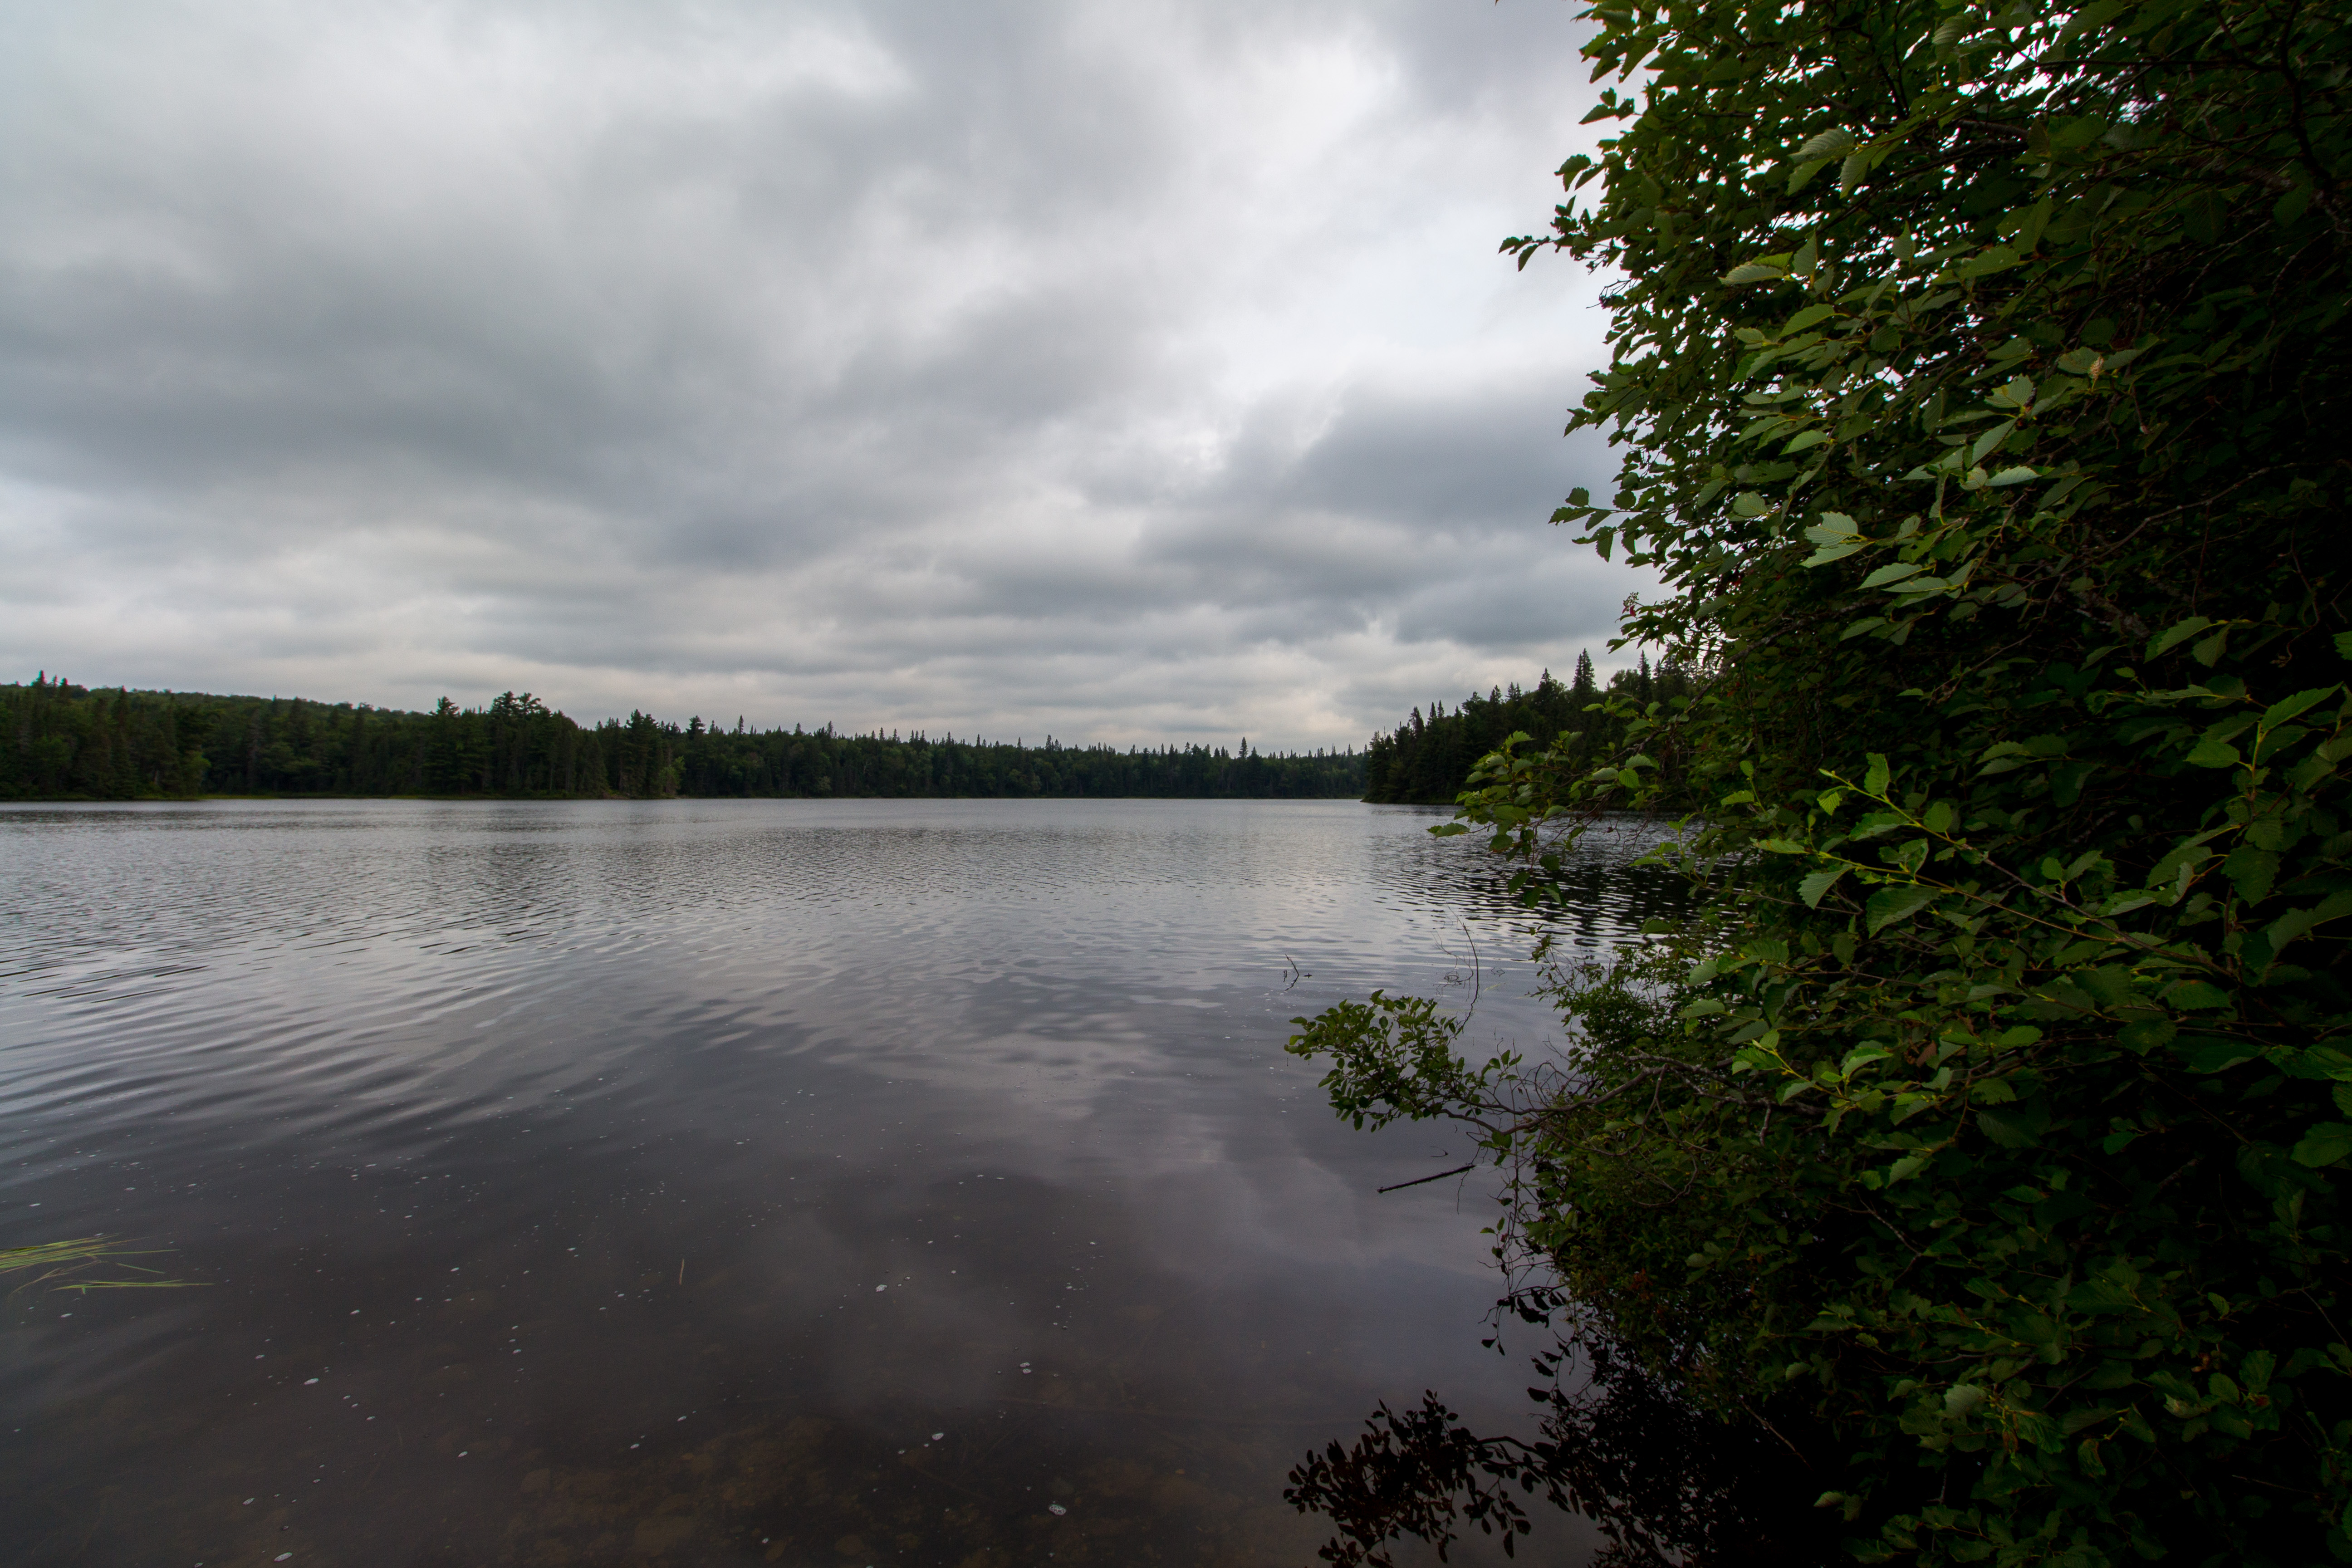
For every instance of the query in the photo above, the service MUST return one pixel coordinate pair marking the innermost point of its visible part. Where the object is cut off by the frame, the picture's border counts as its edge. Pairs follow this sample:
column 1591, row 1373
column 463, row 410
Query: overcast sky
column 1127, row 372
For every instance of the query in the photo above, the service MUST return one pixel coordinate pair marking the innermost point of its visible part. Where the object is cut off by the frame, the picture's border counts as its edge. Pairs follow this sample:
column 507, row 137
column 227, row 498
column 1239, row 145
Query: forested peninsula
column 1429, row 759
column 59, row 741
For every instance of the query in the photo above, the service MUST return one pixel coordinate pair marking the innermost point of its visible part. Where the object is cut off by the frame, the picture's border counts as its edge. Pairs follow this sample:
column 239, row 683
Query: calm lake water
column 841, row 1182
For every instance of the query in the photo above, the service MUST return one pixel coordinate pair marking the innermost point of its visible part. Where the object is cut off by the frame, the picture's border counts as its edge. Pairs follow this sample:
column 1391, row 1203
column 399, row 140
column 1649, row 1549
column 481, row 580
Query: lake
column 699, row 1182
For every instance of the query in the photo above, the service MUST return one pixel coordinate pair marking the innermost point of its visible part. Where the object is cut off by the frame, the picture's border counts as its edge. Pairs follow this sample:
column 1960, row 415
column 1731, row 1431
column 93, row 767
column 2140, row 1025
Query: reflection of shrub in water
column 1600, row 1154
column 1664, row 1483
column 1593, row 896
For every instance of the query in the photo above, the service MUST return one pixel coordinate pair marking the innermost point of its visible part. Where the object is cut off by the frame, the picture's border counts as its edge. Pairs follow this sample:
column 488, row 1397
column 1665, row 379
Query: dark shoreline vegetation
column 1961, row 1180
column 61, row 741
column 1426, row 760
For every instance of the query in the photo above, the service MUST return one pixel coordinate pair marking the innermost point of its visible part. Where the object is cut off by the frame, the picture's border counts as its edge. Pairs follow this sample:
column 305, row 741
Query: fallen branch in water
column 1399, row 1186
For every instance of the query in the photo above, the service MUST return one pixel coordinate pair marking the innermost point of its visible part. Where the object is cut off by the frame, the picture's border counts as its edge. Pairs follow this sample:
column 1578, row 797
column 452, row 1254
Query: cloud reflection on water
column 529, row 1129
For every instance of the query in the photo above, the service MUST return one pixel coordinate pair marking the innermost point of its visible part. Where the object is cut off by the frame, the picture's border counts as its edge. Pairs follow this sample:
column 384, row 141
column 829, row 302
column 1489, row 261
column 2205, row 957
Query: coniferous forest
column 1429, row 758
column 59, row 741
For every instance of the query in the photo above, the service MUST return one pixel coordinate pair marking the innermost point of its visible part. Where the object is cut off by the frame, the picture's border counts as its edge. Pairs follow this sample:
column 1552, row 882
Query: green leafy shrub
column 1981, row 375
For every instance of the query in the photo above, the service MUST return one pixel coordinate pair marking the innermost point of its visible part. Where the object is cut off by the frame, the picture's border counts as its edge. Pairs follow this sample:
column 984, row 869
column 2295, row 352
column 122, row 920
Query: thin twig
column 1417, row 1181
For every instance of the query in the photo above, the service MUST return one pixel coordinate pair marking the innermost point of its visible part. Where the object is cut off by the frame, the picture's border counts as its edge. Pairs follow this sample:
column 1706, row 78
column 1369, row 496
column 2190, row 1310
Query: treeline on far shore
column 1429, row 758
column 59, row 741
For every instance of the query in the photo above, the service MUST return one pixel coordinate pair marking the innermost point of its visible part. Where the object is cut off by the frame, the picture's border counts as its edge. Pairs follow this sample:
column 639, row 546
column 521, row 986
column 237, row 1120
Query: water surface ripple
column 726, row 1181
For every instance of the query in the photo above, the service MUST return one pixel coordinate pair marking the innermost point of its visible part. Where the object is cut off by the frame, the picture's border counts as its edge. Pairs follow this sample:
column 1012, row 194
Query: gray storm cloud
column 1132, row 373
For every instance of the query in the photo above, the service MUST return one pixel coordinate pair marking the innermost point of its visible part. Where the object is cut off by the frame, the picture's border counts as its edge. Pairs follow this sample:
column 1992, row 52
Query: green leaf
column 1812, row 888
column 2019, row 1126
column 2164, row 642
column 2103, row 1295
column 2251, row 872
column 1990, row 439
column 1875, row 780
column 1889, row 905
column 1756, row 272
column 2296, row 924
column 2017, row 476
column 2279, row 712
column 1852, row 172
column 2212, row 754
column 1862, row 1057
column 2193, row 996
column 2207, row 1055
column 1986, row 262
column 1895, row 571
column 1830, row 144
column 2324, row 1144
